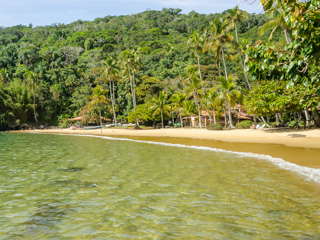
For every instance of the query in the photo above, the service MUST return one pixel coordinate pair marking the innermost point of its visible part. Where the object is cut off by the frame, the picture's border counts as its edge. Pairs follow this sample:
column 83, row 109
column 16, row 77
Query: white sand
column 293, row 138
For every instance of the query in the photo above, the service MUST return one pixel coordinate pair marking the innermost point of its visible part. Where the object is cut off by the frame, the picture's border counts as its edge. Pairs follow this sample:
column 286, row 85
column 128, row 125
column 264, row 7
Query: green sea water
column 75, row 187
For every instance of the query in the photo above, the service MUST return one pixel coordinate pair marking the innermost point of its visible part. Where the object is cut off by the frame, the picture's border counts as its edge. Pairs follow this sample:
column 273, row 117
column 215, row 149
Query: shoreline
column 286, row 137
column 301, row 147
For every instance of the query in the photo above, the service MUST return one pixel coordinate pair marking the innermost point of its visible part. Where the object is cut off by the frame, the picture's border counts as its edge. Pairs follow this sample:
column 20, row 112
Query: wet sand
column 301, row 147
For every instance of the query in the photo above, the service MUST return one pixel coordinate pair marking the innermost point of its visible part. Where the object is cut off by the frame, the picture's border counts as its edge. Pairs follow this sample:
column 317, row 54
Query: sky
column 47, row 12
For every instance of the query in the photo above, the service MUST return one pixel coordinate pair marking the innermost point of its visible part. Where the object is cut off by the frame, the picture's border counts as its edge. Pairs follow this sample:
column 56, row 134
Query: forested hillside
column 51, row 73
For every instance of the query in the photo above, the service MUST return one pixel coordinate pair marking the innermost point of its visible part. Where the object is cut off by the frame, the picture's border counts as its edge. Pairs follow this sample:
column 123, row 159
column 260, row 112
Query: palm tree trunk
column 240, row 55
column 198, row 60
column 307, row 116
column 180, row 119
column 133, row 94
column 172, row 117
column 134, row 98
column 224, row 62
column 210, row 119
column 225, row 117
column 113, row 104
column 161, row 111
column 214, row 116
column 100, row 117
column 264, row 121
column 316, row 117
column 286, row 34
column 230, row 116
column 111, row 95
column 131, row 85
column 199, row 112
column 134, row 91
column 198, row 105
column 34, row 104
column 200, row 123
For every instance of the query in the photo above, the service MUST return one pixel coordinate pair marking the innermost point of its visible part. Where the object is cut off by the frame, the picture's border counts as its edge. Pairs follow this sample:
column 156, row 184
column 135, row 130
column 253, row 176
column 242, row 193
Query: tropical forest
column 157, row 67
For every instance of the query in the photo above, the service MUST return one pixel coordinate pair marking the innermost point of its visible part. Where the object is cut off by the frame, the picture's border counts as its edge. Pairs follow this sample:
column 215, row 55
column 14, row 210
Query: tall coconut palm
column 194, row 89
column 236, row 16
column 98, row 98
column 219, row 37
column 131, row 63
column 159, row 105
column 31, row 81
column 111, row 73
column 229, row 92
column 196, row 43
column 177, row 100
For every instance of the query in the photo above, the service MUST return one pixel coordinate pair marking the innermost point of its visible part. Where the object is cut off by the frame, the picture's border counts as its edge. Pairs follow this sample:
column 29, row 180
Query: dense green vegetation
column 150, row 67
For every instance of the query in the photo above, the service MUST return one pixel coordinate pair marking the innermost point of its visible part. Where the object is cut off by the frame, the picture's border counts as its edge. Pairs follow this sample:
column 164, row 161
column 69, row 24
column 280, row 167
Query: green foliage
column 246, row 124
column 66, row 61
column 214, row 126
column 296, row 124
column 63, row 121
column 143, row 112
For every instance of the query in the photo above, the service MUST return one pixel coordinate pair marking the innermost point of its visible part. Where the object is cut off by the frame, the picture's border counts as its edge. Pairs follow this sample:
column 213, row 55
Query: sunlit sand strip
column 292, row 138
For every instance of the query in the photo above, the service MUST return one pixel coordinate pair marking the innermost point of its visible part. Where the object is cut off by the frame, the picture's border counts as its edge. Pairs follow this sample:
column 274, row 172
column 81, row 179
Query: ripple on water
column 81, row 187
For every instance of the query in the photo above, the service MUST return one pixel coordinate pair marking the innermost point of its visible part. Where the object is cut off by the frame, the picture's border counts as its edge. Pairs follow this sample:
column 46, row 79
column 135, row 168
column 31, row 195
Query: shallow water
column 55, row 187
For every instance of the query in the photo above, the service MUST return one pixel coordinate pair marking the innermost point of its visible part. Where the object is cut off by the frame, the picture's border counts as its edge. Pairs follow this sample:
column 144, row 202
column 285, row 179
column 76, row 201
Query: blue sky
column 47, row 12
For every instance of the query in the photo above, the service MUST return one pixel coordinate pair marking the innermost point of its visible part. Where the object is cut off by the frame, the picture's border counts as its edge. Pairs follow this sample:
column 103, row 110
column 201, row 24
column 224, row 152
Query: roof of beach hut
column 241, row 116
column 80, row 118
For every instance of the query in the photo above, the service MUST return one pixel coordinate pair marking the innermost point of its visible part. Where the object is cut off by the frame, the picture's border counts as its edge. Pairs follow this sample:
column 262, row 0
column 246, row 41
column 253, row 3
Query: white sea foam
column 310, row 174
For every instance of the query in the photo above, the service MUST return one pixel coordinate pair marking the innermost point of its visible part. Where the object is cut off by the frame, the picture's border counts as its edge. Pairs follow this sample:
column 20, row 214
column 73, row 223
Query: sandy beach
column 292, row 138
column 301, row 147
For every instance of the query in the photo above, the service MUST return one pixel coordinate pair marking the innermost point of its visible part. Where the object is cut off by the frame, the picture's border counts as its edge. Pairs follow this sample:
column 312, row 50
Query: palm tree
column 277, row 22
column 51, row 54
column 27, row 54
column 229, row 93
column 194, row 88
column 97, row 99
column 188, row 109
column 237, row 16
column 111, row 73
column 16, row 99
column 31, row 80
column 159, row 105
column 219, row 37
column 177, row 100
column 196, row 43
column 132, row 63
column 212, row 98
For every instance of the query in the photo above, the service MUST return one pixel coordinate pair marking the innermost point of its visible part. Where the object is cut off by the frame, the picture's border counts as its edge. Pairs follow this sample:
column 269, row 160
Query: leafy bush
column 274, row 124
column 63, row 121
column 214, row 126
column 295, row 123
column 244, row 124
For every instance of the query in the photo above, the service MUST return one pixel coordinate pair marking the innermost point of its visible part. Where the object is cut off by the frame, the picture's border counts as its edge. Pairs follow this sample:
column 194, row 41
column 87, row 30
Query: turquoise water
column 74, row 187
